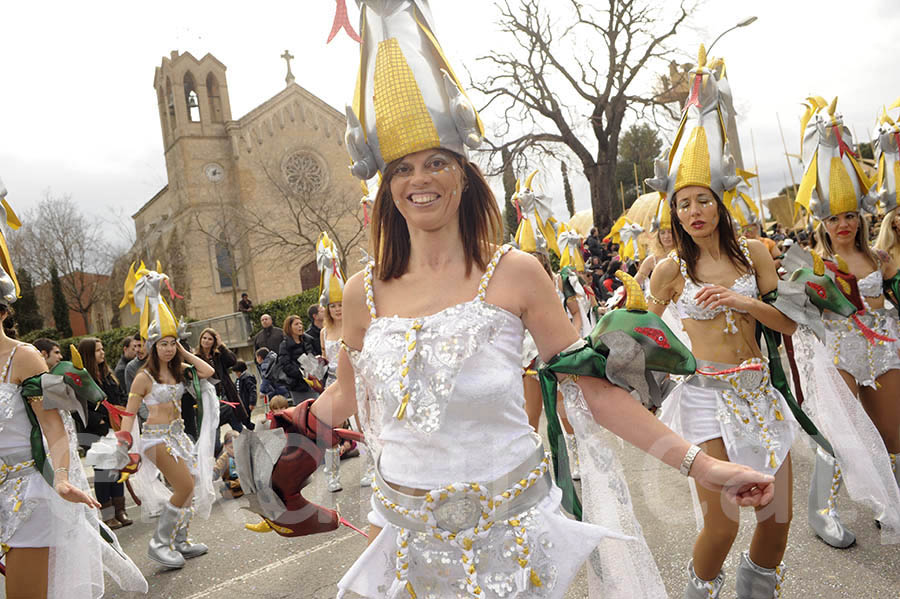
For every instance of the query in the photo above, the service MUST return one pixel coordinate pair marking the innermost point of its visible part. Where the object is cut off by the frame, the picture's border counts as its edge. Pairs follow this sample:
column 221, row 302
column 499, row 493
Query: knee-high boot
column 697, row 588
column 162, row 543
column 183, row 544
column 369, row 475
column 333, row 469
column 822, row 509
column 756, row 582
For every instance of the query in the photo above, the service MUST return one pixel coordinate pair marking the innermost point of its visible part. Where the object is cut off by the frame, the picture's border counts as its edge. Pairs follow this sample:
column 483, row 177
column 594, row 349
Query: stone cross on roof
column 288, row 57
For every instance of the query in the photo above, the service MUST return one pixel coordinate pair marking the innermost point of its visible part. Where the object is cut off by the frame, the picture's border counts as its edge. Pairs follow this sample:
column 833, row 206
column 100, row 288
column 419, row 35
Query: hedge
column 49, row 333
column 282, row 308
column 112, row 341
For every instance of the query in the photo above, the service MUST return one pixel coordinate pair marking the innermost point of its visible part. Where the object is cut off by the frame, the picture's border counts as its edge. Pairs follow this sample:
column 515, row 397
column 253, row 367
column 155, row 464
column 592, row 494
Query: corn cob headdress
column 537, row 226
column 331, row 279
column 663, row 218
column 833, row 182
column 569, row 242
column 626, row 232
column 741, row 206
column 143, row 292
column 9, row 284
column 887, row 158
column 700, row 153
column 407, row 97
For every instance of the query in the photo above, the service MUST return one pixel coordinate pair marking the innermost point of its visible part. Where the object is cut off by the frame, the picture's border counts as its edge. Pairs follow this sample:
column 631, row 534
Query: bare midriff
column 163, row 413
column 710, row 342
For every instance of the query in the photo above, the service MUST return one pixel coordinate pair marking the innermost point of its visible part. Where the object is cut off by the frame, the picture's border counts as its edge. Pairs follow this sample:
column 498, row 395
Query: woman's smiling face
column 426, row 187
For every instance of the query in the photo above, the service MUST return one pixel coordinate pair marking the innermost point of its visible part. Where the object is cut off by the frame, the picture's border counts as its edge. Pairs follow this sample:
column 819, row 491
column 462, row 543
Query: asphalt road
column 243, row 563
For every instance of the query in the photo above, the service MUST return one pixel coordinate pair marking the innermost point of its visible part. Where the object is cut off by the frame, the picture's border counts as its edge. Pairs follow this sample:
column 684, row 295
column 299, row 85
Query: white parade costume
column 464, row 434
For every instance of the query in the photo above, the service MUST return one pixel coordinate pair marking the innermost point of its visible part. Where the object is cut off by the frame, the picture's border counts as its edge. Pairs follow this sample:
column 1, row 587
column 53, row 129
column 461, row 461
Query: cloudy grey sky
column 78, row 112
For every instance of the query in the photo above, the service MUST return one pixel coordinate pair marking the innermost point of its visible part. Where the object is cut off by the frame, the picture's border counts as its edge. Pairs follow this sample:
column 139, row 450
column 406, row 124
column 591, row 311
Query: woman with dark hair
column 213, row 351
column 292, row 347
column 110, row 493
column 159, row 385
column 716, row 282
column 432, row 340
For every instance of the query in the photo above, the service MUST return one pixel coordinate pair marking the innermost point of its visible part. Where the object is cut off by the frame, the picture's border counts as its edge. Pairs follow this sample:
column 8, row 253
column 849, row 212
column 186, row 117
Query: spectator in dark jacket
column 270, row 336
column 246, row 389
column 313, row 334
column 594, row 244
column 294, row 346
column 129, row 351
column 212, row 351
column 110, row 494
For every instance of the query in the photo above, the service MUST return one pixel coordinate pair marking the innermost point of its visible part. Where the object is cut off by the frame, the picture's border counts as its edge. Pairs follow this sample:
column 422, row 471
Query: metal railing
column 234, row 329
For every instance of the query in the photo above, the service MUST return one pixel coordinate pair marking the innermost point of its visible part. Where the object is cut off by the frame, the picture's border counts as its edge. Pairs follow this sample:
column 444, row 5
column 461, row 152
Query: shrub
column 49, row 333
column 112, row 343
column 282, row 308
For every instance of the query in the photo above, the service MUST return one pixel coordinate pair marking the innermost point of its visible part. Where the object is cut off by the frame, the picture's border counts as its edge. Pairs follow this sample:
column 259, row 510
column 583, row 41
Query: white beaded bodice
column 15, row 428
column 161, row 393
column 443, row 392
column 871, row 284
column 687, row 304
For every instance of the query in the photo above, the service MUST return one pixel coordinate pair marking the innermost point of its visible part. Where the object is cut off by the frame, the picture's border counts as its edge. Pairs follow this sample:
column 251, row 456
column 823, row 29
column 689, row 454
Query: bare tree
column 579, row 95
column 56, row 232
column 228, row 233
column 307, row 210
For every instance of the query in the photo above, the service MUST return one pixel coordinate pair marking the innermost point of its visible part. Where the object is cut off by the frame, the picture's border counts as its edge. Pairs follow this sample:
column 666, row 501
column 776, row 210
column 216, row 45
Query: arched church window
column 309, row 275
column 192, row 100
column 226, row 265
column 215, row 98
column 304, row 172
column 170, row 104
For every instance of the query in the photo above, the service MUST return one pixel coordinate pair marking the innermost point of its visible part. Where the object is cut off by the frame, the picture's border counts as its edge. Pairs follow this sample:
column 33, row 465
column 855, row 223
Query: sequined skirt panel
column 743, row 409
column 560, row 547
column 853, row 353
column 178, row 444
column 25, row 504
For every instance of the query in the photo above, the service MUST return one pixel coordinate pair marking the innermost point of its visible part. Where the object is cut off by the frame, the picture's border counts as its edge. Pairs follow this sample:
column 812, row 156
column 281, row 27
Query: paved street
column 267, row 566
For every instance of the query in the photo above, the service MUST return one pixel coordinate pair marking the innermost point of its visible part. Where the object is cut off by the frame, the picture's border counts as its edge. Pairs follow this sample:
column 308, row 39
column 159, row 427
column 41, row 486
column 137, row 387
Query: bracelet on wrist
column 688, row 460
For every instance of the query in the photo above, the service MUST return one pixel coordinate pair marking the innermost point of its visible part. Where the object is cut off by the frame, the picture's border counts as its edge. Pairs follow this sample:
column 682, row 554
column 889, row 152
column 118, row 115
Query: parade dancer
column 716, row 282
column 433, row 330
column 54, row 544
column 331, row 284
column 887, row 159
column 169, row 371
column 864, row 346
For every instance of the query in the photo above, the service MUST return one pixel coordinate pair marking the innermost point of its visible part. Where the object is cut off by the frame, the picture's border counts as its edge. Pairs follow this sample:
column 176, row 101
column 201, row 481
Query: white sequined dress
column 464, row 424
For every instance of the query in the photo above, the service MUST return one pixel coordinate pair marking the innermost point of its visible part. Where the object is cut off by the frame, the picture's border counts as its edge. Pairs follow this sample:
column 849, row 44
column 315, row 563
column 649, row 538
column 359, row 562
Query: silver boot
column 183, row 544
column 574, row 463
column 756, row 582
column 333, row 469
column 369, row 475
column 162, row 543
column 895, row 457
column 698, row 588
column 822, row 510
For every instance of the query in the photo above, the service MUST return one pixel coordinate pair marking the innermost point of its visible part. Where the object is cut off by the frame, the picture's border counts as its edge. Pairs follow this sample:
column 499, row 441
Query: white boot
column 183, row 544
column 369, row 475
column 162, row 543
column 756, row 582
column 333, row 469
column 697, row 588
column 822, row 508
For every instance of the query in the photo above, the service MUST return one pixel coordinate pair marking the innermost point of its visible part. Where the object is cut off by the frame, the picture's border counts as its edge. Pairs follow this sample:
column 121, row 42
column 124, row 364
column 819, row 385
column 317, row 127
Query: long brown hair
column 87, row 347
column 215, row 346
column 690, row 252
column 154, row 366
column 861, row 241
column 480, row 223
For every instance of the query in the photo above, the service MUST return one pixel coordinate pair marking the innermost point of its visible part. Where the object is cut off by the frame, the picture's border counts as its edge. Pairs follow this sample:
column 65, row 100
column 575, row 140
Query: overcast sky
column 78, row 111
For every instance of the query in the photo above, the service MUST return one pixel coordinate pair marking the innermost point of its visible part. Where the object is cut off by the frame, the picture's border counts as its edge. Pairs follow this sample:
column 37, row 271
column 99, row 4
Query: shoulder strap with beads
column 681, row 264
column 370, row 293
column 489, row 271
column 745, row 249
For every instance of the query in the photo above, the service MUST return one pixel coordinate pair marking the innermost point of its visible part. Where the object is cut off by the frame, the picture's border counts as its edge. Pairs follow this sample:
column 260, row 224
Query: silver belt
column 174, row 427
column 724, row 384
column 18, row 462
column 454, row 514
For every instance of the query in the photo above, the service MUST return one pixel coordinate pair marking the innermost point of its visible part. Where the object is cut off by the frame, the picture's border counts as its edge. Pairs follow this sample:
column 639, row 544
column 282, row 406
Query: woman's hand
column 741, row 484
column 711, row 297
column 71, row 493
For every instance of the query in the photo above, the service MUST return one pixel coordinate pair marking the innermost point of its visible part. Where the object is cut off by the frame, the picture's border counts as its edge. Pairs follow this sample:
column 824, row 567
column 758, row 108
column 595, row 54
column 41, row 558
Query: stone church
column 246, row 198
